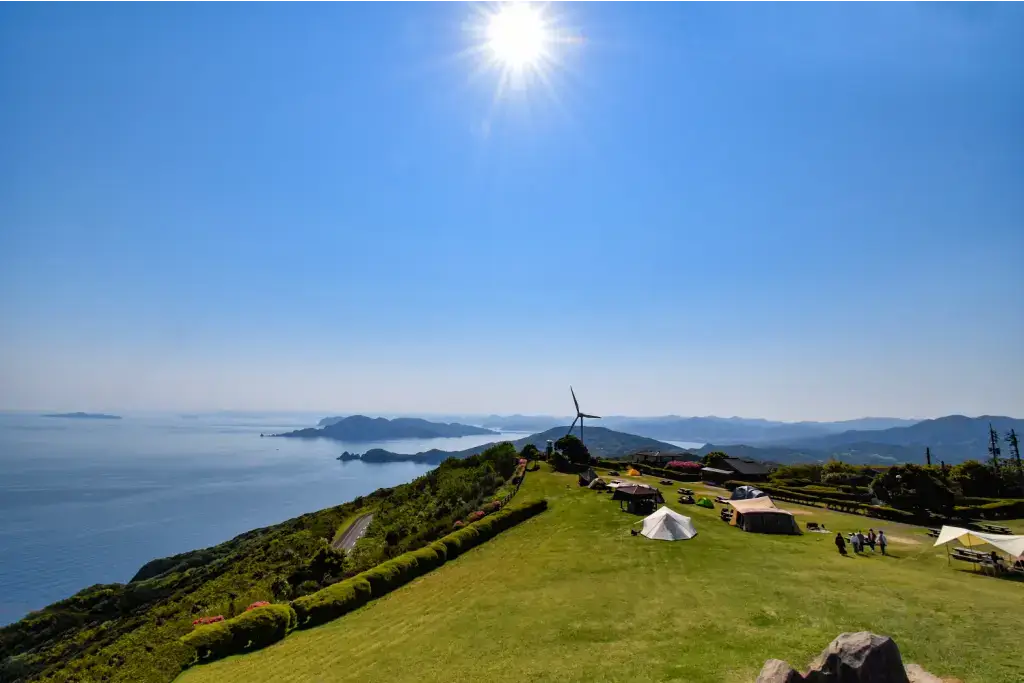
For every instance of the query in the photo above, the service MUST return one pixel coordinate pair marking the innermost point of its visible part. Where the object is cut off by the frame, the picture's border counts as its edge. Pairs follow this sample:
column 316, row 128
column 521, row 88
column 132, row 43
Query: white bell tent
column 668, row 525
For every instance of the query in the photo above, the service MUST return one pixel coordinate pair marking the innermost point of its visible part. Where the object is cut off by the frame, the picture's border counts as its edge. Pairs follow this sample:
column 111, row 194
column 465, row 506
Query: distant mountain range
column 84, row 416
column 361, row 428
column 953, row 439
column 737, row 430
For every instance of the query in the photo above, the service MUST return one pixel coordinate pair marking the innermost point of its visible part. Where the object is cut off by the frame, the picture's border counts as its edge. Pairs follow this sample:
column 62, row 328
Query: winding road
column 354, row 532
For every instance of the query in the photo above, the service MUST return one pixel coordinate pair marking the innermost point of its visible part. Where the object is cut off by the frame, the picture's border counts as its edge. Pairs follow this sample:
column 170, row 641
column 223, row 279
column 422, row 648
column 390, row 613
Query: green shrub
column 332, row 602
column 1002, row 509
column 250, row 630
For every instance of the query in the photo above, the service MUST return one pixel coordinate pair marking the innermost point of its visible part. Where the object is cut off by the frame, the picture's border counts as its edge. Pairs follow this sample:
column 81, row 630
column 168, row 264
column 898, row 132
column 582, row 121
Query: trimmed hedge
column 248, row 631
column 332, row 602
column 341, row 598
column 1003, row 509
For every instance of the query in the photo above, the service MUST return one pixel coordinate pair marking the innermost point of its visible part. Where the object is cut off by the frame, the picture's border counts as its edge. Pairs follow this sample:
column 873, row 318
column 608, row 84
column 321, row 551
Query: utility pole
column 993, row 446
column 928, row 456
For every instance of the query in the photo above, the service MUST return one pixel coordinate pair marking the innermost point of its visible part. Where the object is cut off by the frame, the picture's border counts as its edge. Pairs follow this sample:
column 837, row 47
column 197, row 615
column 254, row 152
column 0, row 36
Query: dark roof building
column 658, row 458
column 741, row 468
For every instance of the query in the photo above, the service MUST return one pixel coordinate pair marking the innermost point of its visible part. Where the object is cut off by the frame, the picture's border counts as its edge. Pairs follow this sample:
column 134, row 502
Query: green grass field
column 570, row 595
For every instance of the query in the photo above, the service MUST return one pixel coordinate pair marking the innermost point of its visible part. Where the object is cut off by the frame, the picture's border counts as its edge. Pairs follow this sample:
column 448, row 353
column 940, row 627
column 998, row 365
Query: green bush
column 248, row 631
column 1003, row 509
column 331, row 602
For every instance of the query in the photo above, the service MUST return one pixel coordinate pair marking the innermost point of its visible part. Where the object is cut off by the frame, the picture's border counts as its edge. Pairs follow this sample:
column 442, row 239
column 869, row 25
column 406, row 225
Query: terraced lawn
column 570, row 595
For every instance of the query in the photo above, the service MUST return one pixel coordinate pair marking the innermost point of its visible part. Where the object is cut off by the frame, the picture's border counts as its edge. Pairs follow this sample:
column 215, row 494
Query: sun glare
column 517, row 36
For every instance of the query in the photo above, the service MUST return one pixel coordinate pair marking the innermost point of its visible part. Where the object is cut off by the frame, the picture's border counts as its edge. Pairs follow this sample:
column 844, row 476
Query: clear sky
column 783, row 211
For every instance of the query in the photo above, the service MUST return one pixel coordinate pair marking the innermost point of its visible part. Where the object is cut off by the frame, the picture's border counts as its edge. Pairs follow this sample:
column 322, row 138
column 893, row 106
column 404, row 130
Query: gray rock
column 859, row 658
column 778, row 671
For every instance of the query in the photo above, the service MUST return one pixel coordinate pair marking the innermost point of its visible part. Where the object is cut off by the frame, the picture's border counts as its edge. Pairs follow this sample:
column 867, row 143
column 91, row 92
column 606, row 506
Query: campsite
column 574, row 596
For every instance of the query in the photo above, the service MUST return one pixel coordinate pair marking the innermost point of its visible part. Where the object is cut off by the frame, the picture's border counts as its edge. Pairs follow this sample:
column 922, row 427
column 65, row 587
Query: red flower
column 459, row 524
column 261, row 603
column 201, row 621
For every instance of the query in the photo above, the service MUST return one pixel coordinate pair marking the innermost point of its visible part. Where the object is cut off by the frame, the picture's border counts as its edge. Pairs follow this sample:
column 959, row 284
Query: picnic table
column 993, row 528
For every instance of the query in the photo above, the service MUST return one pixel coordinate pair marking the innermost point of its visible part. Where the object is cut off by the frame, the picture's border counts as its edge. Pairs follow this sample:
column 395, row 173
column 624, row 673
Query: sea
column 90, row 501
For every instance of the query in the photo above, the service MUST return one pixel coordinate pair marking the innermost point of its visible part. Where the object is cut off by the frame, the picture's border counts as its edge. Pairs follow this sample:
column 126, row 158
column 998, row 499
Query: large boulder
column 852, row 658
column 860, row 657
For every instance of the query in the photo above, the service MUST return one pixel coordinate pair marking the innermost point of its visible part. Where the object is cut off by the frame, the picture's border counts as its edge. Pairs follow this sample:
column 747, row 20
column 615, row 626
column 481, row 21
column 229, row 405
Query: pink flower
column 261, row 603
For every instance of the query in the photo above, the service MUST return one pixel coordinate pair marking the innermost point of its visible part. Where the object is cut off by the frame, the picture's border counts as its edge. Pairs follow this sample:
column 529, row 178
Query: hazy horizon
column 796, row 212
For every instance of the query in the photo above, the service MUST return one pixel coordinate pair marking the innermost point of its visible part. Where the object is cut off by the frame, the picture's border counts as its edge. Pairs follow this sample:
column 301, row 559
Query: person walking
column 860, row 540
column 840, row 543
column 872, row 537
column 882, row 540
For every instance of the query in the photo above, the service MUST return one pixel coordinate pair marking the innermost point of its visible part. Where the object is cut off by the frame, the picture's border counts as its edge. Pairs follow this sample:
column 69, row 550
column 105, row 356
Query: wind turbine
column 579, row 416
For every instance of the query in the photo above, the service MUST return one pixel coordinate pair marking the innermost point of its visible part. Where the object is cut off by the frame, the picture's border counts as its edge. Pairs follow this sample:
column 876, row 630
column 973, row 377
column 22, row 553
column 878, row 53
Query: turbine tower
column 579, row 416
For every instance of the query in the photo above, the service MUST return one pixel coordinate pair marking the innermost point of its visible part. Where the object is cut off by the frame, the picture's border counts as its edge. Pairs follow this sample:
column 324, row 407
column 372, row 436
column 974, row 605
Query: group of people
column 859, row 539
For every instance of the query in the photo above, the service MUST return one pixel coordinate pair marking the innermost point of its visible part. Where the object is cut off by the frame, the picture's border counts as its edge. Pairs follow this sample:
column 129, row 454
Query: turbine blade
column 574, row 400
column 592, row 417
column 572, row 425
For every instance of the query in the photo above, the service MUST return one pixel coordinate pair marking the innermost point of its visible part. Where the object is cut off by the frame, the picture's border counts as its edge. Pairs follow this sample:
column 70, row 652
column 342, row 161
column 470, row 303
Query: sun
column 517, row 36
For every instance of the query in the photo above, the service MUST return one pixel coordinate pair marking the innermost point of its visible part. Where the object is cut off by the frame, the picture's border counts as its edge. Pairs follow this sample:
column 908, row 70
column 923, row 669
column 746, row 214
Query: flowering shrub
column 459, row 524
column 261, row 603
column 493, row 506
column 683, row 465
column 473, row 516
column 201, row 621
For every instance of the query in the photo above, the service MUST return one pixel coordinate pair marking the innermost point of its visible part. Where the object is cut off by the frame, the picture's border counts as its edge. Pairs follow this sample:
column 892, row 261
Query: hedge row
column 341, row 598
column 248, row 631
column 1003, row 509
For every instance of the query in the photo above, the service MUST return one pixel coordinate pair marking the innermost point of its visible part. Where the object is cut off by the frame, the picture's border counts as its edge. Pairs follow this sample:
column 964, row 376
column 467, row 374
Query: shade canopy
column 762, row 503
column 1012, row 545
column 668, row 525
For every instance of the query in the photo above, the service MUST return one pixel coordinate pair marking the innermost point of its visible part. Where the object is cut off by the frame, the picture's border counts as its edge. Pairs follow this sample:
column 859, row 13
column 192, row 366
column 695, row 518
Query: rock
column 859, row 658
column 778, row 671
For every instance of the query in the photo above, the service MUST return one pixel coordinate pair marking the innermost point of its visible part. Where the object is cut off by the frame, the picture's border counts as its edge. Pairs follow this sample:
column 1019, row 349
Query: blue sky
column 786, row 211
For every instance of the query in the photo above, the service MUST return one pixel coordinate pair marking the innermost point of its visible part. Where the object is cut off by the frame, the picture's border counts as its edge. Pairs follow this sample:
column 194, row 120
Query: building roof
column 745, row 466
column 715, row 470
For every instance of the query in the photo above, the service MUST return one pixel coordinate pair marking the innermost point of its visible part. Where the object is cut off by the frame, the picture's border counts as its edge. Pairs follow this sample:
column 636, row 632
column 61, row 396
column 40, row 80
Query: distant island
column 84, row 416
column 362, row 428
column 602, row 443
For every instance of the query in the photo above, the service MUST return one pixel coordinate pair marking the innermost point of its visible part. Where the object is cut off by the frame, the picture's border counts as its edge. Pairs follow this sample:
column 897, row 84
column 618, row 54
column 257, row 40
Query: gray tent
column 587, row 476
column 746, row 493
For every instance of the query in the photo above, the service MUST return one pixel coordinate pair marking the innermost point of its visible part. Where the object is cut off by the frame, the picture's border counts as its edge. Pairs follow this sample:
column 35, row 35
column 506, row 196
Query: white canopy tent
column 666, row 524
column 1011, row 545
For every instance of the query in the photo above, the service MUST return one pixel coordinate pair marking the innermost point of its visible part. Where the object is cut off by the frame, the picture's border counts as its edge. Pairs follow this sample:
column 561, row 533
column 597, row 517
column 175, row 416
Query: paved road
column 354, row 532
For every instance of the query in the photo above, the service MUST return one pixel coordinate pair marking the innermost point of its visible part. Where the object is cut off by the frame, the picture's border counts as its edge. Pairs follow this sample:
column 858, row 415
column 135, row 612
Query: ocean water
column 91, row 501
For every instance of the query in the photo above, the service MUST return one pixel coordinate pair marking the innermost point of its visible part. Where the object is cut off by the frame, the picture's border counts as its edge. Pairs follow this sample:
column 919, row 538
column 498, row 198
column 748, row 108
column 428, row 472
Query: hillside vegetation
column 130, row 632
column 572, row 596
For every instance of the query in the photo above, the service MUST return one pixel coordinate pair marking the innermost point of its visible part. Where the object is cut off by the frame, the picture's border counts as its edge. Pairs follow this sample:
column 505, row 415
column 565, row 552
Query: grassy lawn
column 571, row 596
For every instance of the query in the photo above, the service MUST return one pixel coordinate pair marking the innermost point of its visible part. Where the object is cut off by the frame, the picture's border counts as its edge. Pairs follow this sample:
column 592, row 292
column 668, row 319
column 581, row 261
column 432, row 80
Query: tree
column 530, row 452
column 913, row 487
column 928, row 456
column 573, row 449
column 993, row 446
column 712, row 457
column 1011, row 438
column 976, row 479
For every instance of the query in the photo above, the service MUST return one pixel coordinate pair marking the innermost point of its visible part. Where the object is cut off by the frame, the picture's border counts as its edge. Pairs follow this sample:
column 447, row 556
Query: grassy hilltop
column 571, row 596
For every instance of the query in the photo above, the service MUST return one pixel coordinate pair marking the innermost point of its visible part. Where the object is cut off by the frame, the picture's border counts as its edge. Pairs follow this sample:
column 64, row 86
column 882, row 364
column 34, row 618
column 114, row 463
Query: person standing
column 872, row 537
column 840, row 543
column 882, row 540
